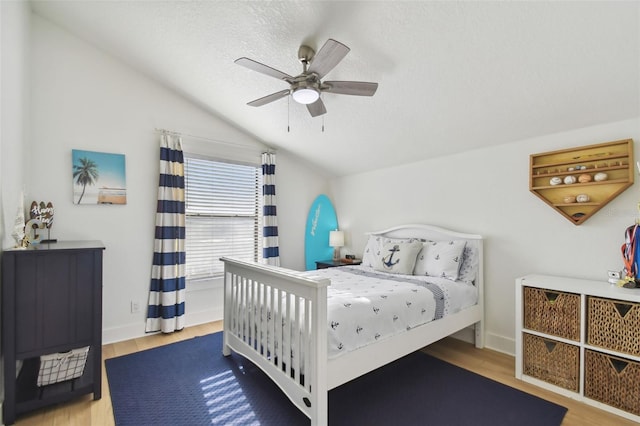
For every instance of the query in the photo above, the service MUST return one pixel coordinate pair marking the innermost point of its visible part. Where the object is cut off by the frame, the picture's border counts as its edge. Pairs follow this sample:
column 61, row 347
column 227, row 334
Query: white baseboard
column 506, row 345
column 133, row 331
column 491, row 341
column 203, row 317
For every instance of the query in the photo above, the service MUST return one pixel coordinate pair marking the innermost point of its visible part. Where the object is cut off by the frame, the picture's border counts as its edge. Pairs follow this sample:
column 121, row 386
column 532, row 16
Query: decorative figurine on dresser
column 51, row 324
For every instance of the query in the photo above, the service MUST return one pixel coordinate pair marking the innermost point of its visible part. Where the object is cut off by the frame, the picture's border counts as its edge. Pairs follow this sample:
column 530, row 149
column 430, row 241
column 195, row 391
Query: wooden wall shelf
column 615, row 159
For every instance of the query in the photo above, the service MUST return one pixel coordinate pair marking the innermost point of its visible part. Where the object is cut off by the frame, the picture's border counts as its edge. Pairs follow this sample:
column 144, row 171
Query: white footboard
column 291, row 348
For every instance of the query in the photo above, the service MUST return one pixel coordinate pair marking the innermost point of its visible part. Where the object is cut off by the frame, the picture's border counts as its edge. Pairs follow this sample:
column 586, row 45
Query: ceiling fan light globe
column 305, row 95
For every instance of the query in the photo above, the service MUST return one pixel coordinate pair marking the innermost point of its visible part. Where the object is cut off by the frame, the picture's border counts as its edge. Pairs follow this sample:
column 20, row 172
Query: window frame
column 257, row 215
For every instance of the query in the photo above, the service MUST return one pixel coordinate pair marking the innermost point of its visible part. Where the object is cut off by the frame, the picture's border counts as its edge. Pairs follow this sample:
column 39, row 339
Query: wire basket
column 552, row 312
column 62, row 366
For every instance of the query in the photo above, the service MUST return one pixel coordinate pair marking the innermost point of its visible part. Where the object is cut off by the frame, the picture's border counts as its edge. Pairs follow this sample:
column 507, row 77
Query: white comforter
column 366, row 305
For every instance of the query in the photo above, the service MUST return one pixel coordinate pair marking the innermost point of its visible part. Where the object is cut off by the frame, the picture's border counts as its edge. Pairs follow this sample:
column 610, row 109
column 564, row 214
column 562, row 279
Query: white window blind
column 223, row 214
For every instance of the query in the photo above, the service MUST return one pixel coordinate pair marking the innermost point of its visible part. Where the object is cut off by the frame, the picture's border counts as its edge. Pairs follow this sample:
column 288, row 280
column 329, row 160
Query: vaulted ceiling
column 453, row 76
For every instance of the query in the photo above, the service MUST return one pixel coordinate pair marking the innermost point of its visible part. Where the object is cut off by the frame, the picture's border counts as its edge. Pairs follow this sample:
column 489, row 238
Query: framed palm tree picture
column 98, row 178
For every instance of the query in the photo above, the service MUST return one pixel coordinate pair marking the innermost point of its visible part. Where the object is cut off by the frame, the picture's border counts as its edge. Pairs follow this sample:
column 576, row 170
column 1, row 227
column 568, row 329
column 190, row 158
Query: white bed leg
column 320, row 414
column 226, row 319
column 226, row 350
column 479, row 329
column 319, row 360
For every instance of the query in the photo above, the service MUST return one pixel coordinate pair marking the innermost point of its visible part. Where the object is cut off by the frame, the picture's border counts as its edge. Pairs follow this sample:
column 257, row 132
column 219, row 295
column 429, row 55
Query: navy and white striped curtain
column 270, row 249
column 166, row 295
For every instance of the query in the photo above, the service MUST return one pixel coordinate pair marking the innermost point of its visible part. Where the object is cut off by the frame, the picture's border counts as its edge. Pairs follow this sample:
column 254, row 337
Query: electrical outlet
column 135, row 307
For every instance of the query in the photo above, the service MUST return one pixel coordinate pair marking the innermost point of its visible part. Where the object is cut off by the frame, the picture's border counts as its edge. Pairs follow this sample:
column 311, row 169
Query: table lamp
column 336, row 240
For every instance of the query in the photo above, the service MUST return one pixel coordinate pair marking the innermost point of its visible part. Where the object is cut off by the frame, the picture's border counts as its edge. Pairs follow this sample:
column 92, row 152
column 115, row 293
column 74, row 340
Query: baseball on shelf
column 599, row 177
column 555, row 180
column 570, row 179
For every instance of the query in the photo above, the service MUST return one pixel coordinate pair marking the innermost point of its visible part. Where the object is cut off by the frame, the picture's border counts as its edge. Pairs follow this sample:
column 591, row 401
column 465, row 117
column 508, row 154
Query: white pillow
column 470, row 264
column 440, row 259
column 373, row 249
column 398, row 257
column 370, row 249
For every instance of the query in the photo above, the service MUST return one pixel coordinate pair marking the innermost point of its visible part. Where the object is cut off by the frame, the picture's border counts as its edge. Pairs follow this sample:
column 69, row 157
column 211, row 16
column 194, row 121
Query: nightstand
column 323, row 264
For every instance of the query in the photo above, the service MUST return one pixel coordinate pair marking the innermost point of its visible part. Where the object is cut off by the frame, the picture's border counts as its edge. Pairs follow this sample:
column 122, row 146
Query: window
column 223, row 214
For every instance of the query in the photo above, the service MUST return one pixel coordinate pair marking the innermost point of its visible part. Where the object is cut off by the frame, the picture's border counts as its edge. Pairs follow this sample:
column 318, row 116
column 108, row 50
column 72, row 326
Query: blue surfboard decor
column 321, row 220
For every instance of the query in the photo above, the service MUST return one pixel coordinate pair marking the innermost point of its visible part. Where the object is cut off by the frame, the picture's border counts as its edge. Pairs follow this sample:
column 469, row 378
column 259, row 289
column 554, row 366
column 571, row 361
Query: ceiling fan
column 307, row 87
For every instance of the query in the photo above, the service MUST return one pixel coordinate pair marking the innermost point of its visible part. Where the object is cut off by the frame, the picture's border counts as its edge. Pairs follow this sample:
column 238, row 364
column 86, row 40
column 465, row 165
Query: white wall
column 14, row 110
column 487, row 192
column 85, row 99
column 14, row 72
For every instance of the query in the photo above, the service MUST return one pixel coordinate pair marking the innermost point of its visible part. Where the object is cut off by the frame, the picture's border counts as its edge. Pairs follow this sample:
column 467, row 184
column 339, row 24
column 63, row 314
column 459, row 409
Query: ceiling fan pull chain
column 323, row 124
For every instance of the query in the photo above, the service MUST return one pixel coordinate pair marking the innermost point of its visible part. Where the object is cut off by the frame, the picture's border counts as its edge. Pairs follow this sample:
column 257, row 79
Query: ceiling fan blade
column 317, row 108
column 269, row 98
column 264, row 69
column 328, row 57
column 357, row 88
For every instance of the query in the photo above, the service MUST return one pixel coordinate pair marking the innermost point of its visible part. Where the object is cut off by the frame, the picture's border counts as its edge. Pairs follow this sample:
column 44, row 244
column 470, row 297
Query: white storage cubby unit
column 580, row 338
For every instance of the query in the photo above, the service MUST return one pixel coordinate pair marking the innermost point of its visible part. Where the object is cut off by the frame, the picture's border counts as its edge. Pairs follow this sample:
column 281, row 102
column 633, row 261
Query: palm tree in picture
column 85, row 173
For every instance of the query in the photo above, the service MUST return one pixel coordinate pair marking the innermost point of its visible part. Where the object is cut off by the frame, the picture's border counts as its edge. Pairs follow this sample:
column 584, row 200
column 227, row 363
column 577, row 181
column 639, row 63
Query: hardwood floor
column 494, row 365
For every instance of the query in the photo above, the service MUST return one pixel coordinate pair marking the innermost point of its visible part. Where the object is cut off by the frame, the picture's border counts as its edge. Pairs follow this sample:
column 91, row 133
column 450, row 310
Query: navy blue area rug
column 192, row 383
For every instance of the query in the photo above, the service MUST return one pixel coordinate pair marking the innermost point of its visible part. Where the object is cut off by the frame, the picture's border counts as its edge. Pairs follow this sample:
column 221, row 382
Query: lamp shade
column 336, row 238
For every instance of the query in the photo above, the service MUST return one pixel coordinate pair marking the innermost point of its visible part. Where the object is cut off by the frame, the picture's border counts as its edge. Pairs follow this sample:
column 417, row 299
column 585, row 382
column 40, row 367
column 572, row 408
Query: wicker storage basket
column 614, row 324
column 612, row 380
column 554, row 362
column 552, row 312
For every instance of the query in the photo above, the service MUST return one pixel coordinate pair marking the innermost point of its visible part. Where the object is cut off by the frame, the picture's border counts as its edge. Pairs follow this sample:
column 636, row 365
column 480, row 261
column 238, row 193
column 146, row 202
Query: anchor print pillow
column 373, row 249
column 398, row 257
column 440, row 259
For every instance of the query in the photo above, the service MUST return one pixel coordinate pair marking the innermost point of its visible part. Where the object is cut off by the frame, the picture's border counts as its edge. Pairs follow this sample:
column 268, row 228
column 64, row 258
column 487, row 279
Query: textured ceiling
column 453, row 76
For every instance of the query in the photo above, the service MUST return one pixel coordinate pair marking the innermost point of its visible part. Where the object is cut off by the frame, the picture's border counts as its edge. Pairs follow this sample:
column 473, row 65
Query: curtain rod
column 237, row 145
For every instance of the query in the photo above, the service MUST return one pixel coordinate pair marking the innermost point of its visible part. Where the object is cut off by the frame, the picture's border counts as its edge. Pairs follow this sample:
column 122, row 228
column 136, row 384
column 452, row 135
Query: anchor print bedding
column 365, row 305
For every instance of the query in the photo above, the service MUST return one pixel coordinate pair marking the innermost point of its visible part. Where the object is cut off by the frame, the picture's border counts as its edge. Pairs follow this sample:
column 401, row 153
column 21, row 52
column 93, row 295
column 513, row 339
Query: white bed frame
column 253, row 284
